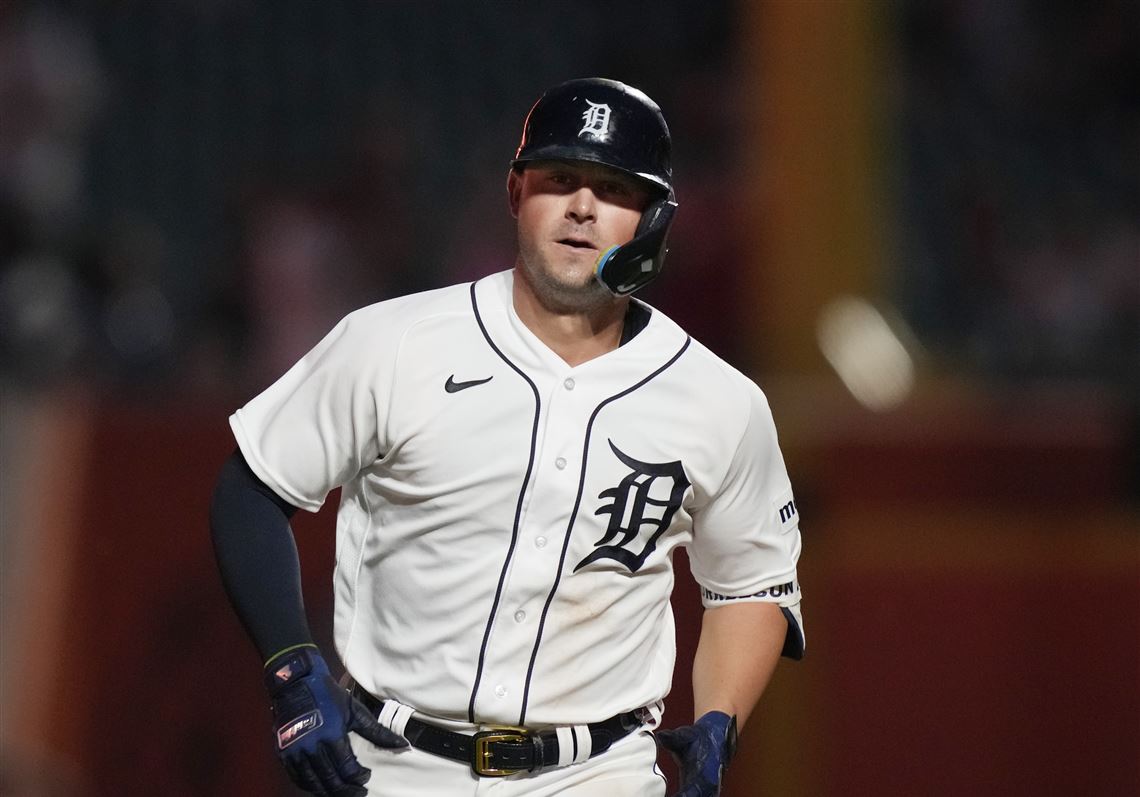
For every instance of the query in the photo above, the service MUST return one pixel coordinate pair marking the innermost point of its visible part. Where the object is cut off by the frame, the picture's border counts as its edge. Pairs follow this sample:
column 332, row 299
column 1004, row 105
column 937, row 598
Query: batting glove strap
column 287, row 666
column 702, row 751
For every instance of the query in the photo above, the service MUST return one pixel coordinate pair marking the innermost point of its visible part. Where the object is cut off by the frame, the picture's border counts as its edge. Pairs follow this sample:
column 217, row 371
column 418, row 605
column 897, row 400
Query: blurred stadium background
column 915, row 223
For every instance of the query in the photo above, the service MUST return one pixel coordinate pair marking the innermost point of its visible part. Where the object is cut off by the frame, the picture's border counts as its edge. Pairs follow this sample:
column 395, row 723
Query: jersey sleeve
column 320, row 424
column 746, row 537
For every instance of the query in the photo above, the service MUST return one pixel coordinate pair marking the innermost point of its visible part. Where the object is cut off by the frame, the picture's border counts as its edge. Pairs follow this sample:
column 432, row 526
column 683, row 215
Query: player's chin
column 572, row 289
column 563, row 268
column 577, row 278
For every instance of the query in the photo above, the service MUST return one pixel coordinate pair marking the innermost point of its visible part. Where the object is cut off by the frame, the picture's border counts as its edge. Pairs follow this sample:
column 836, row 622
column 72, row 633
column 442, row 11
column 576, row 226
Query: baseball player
column 518, row 459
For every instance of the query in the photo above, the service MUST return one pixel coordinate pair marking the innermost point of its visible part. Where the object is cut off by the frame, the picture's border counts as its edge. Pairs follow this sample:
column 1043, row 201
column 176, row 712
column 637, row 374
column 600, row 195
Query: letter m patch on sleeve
column 787, row 515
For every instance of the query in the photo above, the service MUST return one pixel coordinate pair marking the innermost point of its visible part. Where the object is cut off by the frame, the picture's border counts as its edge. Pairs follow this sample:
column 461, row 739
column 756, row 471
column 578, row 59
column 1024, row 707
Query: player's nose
column 582, row 205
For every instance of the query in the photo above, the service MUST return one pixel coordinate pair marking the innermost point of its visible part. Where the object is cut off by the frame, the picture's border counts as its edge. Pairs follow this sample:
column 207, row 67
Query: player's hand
column 702, row 750
column 313, row 717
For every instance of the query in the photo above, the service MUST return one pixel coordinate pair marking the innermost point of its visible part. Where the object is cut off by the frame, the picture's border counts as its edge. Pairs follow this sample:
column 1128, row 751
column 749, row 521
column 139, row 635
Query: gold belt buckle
column 483, row 739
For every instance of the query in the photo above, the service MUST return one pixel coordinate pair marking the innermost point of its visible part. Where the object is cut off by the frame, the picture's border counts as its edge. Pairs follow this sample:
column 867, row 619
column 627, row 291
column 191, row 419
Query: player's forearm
column 738, row 651
column 257, row 558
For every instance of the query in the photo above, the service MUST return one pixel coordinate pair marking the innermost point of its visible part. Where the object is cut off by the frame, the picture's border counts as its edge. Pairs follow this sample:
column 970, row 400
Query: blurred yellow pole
column 813, row 77
column 49, row 542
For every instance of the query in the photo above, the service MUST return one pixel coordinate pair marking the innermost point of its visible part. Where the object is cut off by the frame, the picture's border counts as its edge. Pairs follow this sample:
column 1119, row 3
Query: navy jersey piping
column 574, row 515
column 518, row 507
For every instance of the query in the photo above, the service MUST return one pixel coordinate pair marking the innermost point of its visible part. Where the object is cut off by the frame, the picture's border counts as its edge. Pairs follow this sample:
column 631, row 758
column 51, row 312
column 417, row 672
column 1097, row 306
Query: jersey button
column 501, row 691
column 569, row 383
column 560, row 463
column 540, row 542
column 520, row 615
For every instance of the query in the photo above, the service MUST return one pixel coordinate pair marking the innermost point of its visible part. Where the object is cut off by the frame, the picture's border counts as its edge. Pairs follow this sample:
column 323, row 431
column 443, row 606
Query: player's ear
column 514, row 190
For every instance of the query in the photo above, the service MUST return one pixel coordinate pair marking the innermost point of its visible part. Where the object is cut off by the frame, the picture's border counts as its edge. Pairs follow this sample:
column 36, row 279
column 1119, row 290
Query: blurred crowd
column 1019, row 173
column 191, row 193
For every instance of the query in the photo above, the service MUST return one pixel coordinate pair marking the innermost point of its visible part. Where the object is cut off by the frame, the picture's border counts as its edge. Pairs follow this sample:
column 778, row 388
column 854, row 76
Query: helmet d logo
column 597, row 120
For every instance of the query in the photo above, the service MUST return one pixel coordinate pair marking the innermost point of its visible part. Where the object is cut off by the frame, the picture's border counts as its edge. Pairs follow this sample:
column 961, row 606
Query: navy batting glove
column 702, row 750
column 313, row 716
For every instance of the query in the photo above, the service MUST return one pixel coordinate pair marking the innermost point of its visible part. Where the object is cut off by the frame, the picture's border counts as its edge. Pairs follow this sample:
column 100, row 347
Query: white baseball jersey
column 507, row 521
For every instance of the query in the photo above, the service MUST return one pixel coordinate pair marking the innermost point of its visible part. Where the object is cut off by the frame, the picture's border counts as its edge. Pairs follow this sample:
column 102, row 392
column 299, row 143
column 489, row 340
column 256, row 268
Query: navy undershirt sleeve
column 257, row 558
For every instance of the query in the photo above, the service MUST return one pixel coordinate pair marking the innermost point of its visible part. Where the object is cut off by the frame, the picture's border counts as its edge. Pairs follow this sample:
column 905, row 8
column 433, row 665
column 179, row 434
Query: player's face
column 568, row 213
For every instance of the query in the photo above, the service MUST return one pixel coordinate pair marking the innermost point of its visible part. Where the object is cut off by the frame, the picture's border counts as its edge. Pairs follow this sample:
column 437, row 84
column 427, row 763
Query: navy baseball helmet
column 603, row 121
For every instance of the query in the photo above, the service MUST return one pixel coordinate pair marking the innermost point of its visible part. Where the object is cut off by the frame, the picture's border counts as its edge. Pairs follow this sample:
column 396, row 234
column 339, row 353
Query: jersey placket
column 535, row 565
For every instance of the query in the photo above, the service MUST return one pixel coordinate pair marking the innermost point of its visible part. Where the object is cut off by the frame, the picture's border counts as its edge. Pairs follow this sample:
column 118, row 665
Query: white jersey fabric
column 507, row 522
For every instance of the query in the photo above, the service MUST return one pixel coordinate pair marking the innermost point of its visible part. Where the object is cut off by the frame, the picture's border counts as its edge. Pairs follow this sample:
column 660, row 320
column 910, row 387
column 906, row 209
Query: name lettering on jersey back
column 640, row 507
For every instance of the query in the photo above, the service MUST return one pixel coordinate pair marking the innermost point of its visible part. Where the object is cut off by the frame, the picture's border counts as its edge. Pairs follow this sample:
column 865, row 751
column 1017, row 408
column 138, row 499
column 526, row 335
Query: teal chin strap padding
column 603, row 258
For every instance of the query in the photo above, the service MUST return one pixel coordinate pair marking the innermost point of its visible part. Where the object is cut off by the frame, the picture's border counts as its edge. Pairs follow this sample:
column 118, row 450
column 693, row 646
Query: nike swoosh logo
column 451, row 386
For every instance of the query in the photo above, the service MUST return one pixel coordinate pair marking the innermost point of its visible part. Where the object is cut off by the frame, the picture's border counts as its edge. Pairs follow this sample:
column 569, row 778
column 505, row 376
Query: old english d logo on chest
column 640, row 509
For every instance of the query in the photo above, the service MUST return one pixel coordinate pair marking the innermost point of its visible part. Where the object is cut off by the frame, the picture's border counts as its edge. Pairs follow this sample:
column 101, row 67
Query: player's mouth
column 577, row 243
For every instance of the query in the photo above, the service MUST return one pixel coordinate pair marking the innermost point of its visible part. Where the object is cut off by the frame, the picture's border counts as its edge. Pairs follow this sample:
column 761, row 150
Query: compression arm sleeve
column 257, row 558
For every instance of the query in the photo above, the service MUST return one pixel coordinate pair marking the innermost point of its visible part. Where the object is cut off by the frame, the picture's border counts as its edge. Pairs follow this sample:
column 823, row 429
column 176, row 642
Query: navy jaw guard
column 623, row 269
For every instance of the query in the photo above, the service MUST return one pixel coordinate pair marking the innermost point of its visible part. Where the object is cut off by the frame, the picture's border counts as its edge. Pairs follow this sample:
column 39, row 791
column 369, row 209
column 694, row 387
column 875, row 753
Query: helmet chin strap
column 623, row 269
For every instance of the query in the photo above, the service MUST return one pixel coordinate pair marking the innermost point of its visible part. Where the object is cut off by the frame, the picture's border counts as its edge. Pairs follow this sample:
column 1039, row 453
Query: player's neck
column 576, row 337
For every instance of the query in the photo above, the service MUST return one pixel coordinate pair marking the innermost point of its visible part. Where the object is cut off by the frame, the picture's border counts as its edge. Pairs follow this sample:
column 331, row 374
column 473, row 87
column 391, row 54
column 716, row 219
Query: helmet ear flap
column 623, row 269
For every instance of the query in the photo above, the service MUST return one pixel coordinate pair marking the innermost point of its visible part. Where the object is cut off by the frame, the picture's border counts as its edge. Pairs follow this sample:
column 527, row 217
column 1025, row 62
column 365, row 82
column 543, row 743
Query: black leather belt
column 504, row 750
